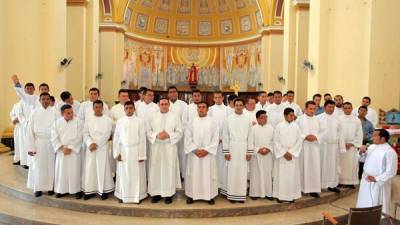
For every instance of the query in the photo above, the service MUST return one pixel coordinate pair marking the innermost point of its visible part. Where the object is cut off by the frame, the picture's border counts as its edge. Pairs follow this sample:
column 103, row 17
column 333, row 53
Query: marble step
column 13, row 180
column 15, row 211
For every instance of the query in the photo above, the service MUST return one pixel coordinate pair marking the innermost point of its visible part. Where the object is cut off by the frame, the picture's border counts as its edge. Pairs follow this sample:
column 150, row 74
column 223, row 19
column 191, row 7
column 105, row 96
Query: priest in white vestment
column 331, row 144
column 379, row 169
column 291, row 104
column 189, row 114
column 14, row 114
column 86, row 107
column 66, row 98
column 250, row 110
column 41, row 171
column 275, row 110
column 201, row 145
column 67, row 138
column 164, row 131
column 129, row 146
column 97, row 171
column 262, row 103
column 148, row 108
column 287, row 143
column 262, row 163
column 353, row 136
column 310, row 157
column 117, row 111
column 238, row 146
column 339, row 105
column 219, row 112
column 372, row 116
column 230, row 107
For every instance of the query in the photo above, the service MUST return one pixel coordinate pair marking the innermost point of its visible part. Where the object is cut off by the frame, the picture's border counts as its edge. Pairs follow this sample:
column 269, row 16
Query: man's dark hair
column 287, row 111
column 290, row 92
column 315, row 96
column 383, row 134
column 329, row 102
column 327, row 94
column 123, row 91
column 277, row 93
column 309, row 103
column 52, row 98
column 261, row 92
column 202, row 102
column 142, row 89
column 43, row 85
column 270, row 94
column 65, row 107
column 65, row 95
column 163, row 98
column 251, row 98
column 29, row 85
column 368, row 98
column 218, row 93
column 363, row 107
column 94, row 89
column 260, row 112
column 232, row 97
column 348, row 103
column 147, row 90
column 339, row 96
column 129, row 103
column 98, row 102
column 172, row 87
column 239, row 100
column 44, row 94
column 196, row 91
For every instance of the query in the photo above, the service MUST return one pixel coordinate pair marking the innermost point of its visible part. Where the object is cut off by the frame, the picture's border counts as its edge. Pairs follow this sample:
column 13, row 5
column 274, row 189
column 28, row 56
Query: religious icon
column 192, row 78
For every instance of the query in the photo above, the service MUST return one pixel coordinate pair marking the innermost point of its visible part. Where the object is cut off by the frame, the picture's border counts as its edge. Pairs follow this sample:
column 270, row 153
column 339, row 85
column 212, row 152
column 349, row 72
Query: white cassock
column 275, row 113
column 146, row 111
column 130, row 142
column 189, row 113
column 287, row 184
column 296, row 108
column 27, row 104
column 67, row 177
column 338, row 111
column 138, row 103
column 97, row 172
column 117, row 112
column 238, row 142
column 201, row 173
column 219, row 113
column 164, row 174
column 261, row 166
column 372, row 116
column 310, row 157
column 75, row 106
column 352, row 133
column 86, row 110
column 251, row 115
column 41, row 170
column 262, row 107
column 230, row 110
column 381, row 163
column 331, row 144
column 14, row 114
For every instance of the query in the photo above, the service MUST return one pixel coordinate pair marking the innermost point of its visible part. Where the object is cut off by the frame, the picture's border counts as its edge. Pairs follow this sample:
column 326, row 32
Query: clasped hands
column 311, row 138
column 163, row 135
column 228, row 157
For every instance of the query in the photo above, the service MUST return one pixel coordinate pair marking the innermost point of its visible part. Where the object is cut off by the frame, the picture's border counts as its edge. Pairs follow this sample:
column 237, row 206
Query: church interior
column 342, row 47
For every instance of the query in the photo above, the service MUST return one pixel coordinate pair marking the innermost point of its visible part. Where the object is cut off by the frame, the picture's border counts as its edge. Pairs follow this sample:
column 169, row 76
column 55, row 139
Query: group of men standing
column 260, row 147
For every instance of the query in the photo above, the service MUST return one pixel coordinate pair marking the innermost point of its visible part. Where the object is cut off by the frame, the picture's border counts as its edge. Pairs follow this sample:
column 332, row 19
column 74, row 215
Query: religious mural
column 208, row 68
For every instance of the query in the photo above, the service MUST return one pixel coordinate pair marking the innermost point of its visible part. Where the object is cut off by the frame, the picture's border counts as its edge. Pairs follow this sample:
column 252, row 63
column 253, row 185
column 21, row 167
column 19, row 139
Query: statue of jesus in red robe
column 192, row 78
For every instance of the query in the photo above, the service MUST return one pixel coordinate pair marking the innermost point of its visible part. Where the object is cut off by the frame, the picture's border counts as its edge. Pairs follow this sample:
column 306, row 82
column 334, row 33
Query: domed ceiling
column 193, row 19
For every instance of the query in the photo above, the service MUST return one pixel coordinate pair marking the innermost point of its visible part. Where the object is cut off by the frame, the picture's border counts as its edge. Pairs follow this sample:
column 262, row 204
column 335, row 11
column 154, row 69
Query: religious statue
column 192, row 78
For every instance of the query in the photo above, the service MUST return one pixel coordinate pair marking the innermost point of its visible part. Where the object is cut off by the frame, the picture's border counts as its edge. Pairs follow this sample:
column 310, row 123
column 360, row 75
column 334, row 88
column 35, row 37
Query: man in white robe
column 178, row 107
column 86, row 107
column 275, row 110
column 97, row 171
column 331, row 144
column 189, row 114
column 238, row 146
column 262, row 103
column 250, row 109
column 129, row 146
column 164, row 131
column 310, row 157
column 219, row 112
column 139, row 102
column 261, row 164
column 201, row 144
column 14, row 114
column 353, row 136
column 287, row 144
column 117, row 111
column 148, row 108
column 231, row 107
column 379, row 169
column 371, row 116
column 66, row 138
column 290, row 103
column 339, row 105
column 41, row 171
column 66, row 98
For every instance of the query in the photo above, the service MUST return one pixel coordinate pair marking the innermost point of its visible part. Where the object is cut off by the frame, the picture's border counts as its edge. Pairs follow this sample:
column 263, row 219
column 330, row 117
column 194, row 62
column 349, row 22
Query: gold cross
column 235, row 87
